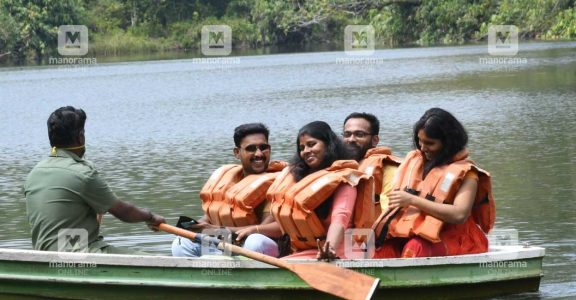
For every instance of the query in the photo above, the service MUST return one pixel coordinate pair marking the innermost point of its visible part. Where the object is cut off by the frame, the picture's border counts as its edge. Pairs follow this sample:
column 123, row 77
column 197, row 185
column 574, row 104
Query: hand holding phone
column 185, row 222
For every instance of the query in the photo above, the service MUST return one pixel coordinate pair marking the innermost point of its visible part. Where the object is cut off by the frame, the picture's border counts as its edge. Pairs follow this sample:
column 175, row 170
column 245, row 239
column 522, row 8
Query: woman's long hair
column 335, row 148
column 440, row 124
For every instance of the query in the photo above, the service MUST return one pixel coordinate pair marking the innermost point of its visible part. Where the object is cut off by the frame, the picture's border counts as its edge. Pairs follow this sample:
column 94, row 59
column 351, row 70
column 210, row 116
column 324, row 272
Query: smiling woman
column 317, row 148
column 439, row 136
column 441, row 201
column 313, row 201
column 312, row 150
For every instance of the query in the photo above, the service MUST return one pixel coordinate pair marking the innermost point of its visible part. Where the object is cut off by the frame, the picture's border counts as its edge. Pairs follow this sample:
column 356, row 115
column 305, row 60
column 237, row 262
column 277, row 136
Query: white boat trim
column 496, row 254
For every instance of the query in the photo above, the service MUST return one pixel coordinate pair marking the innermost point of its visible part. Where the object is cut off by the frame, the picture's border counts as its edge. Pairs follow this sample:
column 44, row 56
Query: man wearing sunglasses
column 361, row 133
column 234, row 197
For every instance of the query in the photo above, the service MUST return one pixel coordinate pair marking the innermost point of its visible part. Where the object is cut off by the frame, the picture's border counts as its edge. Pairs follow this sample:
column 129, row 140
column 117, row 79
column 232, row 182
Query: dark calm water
column 157, row 129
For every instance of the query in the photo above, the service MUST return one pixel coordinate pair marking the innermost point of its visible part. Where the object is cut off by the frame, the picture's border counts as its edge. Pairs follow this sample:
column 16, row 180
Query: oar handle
column 225, row 246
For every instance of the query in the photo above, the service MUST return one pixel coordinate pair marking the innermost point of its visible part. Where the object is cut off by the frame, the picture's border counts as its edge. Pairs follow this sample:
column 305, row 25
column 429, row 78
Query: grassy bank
column 28, row 29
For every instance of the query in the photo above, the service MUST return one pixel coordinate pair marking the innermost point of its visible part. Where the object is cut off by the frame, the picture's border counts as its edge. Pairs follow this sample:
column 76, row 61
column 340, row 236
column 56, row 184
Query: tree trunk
column 134, row 16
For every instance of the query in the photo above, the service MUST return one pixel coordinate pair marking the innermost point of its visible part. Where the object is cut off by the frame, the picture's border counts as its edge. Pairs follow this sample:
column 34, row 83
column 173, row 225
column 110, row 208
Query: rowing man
column 66, row 197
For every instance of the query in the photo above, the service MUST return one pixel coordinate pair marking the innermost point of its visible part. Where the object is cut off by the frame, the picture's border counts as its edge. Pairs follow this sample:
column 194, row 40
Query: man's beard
column 358, row 151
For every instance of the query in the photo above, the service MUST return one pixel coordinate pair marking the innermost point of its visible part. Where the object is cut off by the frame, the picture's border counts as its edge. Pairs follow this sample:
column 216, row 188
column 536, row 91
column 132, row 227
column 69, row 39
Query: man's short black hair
column 247, row 129
column 65, row 125
column 374, row 122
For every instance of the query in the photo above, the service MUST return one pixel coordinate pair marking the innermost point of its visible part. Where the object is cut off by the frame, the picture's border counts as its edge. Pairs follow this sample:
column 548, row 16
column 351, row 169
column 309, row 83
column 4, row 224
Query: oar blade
column 337, row 281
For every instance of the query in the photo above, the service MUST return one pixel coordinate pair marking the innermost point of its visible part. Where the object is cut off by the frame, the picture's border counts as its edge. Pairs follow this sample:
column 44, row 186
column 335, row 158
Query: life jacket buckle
column 411, row 191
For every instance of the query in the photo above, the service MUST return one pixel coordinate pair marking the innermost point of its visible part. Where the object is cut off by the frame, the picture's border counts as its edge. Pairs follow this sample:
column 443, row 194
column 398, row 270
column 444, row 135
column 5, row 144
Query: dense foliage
column 28, row 27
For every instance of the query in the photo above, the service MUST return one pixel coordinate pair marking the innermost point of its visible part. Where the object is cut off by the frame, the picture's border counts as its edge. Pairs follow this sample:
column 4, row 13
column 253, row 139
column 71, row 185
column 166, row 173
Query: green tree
column 564, row 25
column 38, row 23
column 8, row 34
column 533, row 17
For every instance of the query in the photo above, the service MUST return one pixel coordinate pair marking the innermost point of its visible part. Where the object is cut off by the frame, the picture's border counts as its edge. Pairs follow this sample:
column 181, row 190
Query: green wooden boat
column 36, row 274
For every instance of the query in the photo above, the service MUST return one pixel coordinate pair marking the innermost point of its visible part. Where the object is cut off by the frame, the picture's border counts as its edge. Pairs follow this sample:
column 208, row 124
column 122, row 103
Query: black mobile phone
column 185, row 222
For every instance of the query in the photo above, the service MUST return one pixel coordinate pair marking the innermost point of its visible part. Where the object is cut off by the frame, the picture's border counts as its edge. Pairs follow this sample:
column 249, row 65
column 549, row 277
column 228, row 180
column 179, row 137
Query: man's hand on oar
column 324, row 277
column 154, row 221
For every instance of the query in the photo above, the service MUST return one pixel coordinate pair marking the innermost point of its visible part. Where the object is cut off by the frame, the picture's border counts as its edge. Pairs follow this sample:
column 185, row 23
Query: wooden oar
column 322, row 276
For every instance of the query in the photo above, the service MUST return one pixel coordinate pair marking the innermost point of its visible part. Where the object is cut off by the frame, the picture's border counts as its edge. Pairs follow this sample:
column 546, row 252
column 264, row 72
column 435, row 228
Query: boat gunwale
column 496, row 254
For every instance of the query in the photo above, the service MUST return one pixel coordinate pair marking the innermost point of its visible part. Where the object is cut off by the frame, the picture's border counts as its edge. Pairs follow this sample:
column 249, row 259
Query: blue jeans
column 183, row 247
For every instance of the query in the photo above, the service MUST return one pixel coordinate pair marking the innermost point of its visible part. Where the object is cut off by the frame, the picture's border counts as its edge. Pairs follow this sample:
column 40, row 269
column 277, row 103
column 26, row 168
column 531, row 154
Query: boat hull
column 504, row 270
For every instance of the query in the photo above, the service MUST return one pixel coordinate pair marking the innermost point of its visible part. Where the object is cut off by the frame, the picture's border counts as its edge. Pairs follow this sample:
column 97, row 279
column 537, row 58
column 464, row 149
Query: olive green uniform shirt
column 65, row 191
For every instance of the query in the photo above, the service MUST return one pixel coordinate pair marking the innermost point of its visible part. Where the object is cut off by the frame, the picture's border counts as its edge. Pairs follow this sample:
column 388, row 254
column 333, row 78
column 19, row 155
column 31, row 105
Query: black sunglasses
column 253, row 148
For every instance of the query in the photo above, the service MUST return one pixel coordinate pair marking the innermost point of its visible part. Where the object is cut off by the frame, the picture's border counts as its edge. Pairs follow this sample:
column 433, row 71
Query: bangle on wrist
column 257, row 229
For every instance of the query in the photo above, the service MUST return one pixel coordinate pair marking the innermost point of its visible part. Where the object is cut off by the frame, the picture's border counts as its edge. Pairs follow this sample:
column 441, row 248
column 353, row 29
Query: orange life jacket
column 293, row 203
column 375, row 163
column 229, row 199
column 440, row 185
